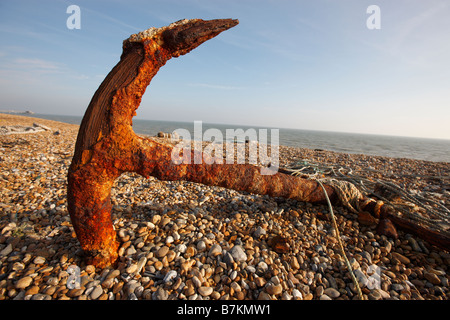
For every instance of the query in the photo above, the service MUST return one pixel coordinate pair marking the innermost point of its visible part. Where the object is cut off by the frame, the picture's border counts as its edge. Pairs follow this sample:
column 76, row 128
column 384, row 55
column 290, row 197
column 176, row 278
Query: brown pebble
column 24, row 282
column 260, row 281
column 162, row 251
column 32, row 290
column 400, row 257
column 433, row 278
column 263, row 296
column 274, row 289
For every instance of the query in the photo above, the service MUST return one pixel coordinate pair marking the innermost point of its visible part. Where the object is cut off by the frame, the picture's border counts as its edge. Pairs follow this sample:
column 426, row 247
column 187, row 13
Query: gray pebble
column 160, row 294
column 96, row 293
column 238, row 253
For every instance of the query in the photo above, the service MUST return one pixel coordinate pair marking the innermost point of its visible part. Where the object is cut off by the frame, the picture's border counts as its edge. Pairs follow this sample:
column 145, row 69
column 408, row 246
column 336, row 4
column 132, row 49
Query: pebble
column 205, row 291
column 172, row 274
column 332, row 293
column 160, row 294
column 274, row 289
column 215, row 250
column 238, row 253
column 23, row 282
column 297, row 295
column 162, row 252
column 96, row 293
column 7, row 250
column 39, row 260
column 400, row 257
column 259, row 232
column 201, row 246
column 433, row 278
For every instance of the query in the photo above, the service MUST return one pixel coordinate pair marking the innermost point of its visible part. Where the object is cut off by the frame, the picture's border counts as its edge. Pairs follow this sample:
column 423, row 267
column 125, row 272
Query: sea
column 437, row 150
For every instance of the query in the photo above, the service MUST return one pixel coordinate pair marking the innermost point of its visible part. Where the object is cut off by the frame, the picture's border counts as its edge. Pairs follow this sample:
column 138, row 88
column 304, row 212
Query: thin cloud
column 40, row 65
column 215, row 86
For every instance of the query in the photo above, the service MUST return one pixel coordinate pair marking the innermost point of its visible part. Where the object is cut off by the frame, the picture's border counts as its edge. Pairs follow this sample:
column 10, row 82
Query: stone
column 433, row 278
column 400, row 257
column 205, row 291
column 215, row 250
column 131, row 269
column 414, row 244
column 260, row 281
column 32, row 290
column 162, row 251
column 172, row 274
column 236, row 287
column 294, row 263
column 96, row 293
column 319, row 291
column 262, row 267
column 196, row 281
column 263, row 296
column 90, row 268
column 141, row 263
column 130, row 251
column 39, row 260
column 160, row 294
column 201, row 246
column 274, row 289
column 108, row 283
column 73, row 293
column 7, row 250
column 238, row 253
column 360, row 277
column 296, row 294
column 308, row 296
column 228, row 258
column 332, row 293
column 388, row 247
column 259, row 231
column 113, row 274
column 24, row 282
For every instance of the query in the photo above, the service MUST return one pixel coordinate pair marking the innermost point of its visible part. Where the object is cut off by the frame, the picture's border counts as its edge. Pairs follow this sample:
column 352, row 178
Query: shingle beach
column 186, row 241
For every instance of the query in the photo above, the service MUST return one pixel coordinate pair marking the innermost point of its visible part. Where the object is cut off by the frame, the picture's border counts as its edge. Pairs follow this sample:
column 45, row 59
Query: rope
column 349, row 196
column 341, row 247
column 350, row 187
column 347, row 193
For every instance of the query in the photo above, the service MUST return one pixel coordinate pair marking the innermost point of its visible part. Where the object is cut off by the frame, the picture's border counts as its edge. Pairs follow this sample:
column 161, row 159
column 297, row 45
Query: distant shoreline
column 427, row 149
column 16, row 112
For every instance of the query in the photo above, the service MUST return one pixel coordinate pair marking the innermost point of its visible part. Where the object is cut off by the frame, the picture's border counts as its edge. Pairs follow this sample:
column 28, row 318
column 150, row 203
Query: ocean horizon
column 437, row 150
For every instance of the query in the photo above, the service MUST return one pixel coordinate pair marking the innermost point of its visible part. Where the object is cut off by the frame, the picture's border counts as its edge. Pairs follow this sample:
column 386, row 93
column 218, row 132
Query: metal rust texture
column 106, row 145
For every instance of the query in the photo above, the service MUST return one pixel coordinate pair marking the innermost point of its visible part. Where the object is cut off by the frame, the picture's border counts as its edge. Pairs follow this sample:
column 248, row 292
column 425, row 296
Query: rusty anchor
column 106, row 145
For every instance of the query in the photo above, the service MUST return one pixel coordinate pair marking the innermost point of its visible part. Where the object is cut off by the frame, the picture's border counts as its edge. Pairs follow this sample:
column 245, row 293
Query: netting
column 351, row 185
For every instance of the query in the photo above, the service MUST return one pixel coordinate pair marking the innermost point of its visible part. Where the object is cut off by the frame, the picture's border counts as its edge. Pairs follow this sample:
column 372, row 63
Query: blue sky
column 288, row 64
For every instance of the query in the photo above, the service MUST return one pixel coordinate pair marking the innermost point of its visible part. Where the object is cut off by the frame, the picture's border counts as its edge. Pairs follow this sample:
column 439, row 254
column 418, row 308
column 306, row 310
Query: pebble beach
column 185, row 241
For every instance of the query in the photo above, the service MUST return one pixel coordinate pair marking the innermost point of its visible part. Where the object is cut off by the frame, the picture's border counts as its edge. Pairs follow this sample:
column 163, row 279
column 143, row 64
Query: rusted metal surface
column 107, row 146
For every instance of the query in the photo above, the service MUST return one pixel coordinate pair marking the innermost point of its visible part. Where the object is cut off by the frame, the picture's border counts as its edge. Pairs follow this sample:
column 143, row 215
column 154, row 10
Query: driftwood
column 106, row 145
